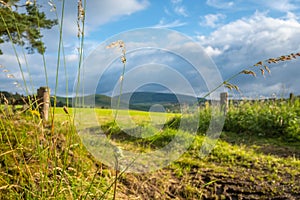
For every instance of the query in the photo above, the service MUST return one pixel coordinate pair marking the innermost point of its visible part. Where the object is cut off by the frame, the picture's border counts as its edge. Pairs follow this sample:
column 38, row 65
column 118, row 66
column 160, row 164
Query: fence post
column 43, row 97
column 292, row 97
column 224, row 102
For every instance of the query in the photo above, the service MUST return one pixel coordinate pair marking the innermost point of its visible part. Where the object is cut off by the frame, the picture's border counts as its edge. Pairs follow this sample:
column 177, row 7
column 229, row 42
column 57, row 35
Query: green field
column 256, row 157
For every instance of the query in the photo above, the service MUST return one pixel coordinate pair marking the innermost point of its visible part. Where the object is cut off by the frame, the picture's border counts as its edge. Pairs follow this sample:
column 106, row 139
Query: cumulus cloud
column 259, row 32
column 212, row 20
column 243, row 42
column 212, row 51
column 97, row 13
column 164, row 50
column 107, row 10
column 101, row 12
column 283, row 5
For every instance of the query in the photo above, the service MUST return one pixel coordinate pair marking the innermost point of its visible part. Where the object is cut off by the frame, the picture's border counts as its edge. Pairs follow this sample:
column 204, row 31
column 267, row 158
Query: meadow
column 256, row 157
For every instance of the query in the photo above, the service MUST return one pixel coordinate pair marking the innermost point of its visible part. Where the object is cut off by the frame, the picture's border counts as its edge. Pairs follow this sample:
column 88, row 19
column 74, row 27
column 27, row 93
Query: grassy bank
column 38, row 164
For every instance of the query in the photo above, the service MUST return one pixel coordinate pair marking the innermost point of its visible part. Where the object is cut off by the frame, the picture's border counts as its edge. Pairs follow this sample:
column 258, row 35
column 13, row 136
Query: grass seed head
column 248, row 72
column 262, row 71
column 267, row 69
column 66, row 110
column 260, row 63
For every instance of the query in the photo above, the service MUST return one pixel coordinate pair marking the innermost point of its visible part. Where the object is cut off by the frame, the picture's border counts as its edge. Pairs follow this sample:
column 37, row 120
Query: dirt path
column 232, row 183
column 218, row 180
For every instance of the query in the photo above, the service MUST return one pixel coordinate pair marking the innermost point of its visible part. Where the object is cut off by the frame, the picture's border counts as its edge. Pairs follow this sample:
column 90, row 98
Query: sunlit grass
column 37, row 162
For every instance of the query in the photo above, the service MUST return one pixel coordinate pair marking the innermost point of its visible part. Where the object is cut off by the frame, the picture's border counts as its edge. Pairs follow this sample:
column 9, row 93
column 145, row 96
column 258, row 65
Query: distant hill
column 137, row 100
column 144, row 100
column 101, row 101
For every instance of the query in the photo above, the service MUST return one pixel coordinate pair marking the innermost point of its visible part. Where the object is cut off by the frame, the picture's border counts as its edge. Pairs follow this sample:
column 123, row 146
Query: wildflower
column 35, row 113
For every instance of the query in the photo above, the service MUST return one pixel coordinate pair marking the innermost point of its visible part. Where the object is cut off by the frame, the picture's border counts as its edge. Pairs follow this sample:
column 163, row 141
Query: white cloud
column 246, row 41
column 181, row 10
column 163, row 24
column 220, row 3
column 72, row 58
column 178, row 8
column 212, row 51
column 107, row 10
column 291, row 15
column 212, row 20
column 257, row 31
column 283, row 5
column 97, row 13
column 101, row 12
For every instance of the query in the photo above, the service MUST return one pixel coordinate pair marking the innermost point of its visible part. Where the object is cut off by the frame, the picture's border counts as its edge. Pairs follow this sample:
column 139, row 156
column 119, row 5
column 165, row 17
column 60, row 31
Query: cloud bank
column 245, row 41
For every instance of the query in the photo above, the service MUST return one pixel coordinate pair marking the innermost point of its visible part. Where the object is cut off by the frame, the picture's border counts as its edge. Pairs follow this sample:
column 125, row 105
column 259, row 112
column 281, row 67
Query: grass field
column 257, row 155
column 107, row 115
column 253, row 163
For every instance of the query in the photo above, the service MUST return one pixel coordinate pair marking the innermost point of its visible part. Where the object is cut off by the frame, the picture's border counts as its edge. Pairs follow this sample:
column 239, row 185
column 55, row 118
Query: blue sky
column 235, row 34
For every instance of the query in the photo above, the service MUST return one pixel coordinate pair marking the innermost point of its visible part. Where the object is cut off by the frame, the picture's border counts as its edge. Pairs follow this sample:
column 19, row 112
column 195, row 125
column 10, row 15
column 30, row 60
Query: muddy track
column 237, row 183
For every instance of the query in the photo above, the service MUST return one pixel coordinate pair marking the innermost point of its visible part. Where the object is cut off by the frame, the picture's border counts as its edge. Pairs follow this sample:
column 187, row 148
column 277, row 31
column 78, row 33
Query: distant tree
column 21, row 24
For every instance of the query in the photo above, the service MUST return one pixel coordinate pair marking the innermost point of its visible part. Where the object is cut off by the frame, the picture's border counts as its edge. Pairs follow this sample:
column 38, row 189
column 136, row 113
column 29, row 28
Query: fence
column 43, row 99
column 224, row 101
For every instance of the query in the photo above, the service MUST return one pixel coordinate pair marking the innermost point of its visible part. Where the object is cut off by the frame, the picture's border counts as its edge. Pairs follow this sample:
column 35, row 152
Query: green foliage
column 24, row 28
column 34, row 164
column 187, row 123
column 280, row 119
column 271, row 119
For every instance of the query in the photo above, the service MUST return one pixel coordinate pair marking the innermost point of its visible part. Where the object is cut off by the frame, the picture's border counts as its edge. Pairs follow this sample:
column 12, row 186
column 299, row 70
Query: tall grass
column 42, row 162
column 38, row 165
column 266, row 118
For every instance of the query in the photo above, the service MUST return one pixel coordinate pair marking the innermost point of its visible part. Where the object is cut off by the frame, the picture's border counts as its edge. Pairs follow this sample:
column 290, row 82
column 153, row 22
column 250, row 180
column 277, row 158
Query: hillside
column 144, row 100
column 138, row 100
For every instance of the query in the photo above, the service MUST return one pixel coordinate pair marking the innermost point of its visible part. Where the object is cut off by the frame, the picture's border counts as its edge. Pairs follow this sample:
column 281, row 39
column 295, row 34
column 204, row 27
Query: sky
column 223, row 37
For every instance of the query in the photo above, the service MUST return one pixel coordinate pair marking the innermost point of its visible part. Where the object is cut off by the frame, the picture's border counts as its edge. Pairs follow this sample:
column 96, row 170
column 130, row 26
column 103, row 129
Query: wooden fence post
column 292, row 97
column 43, row 97
column 224, row 102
